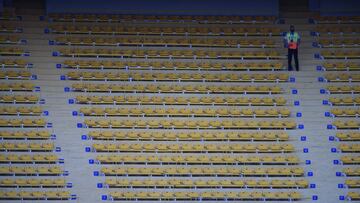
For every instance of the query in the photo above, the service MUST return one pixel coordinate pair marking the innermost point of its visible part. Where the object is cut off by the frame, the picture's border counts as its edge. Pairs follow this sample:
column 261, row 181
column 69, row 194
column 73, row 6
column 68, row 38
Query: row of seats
column 19, row 98
column 155, row 30
column 349, row 148
column 14, row 63
column 210, row 195
column 17, row 86
column 202, row 171
column 56, row 17
column 183, row 148
column 351, row 171
column 23, row 123
column 29, row 135
column 182, row 112
column 11, row 51
column 29, row 158
column 32, row 182
column 337, row 30
column 198, row 159
column 192, row 42
column 21, row 110
column 35, row 195
column 348, row 112
column 352, row 54
column 336, row 19
column 348, row 136
column 27, row 170
column 188, row 136
column 343, row 89
column 26, row 146
column 352, row 183
column 344, row 101
column 9, row 39
column 346, row 124
column 7, row 15
column 139, row 53
column 342, row 77
column 350, row 160
column 341, row 66
column 195, row 124
column 153, row 88
column 15, row 75
column 183, row 77
column 172, row 65
column 179, row 100
column 353, row 196
column 339, row 42
column 210, row 183
column 9, row 28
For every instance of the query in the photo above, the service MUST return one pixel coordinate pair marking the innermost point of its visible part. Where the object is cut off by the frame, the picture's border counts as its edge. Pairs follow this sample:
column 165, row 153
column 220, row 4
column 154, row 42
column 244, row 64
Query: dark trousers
column 291, row 53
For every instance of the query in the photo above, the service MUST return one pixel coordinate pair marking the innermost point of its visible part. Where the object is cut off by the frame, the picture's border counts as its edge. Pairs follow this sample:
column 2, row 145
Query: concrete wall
column 183, row 7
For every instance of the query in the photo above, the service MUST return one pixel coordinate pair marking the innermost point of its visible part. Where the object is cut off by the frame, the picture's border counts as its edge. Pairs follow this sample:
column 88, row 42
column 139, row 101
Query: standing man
column 292, row 42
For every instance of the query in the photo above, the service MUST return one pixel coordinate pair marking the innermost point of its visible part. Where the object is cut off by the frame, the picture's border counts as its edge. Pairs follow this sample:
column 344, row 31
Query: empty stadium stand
column 178, row 108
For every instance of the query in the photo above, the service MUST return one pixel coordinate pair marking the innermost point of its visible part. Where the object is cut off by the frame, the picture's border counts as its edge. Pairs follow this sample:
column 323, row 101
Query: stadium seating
column 353, row 54
column 169, row 65
column 344, row 101
column 351, row 171
column 350, row 160
column 336, row 19
column 179, row 100
column 342, row 77
column 188, row 136
column 27, row 171
column 349, row 148
column 152, row 88
column 346, row 124
column 344, row 89
column 181, row 54
column 14, row 63
column 154, row 30
column 348, row 136
column 29, row 158
column 181, row 112
column 167, row 42
column 211, row 195
column 201, row 124
column 12, row 51
column 204, row 171
column 208, row 183
column 194, row 148
column 34, row 195
column 8, row 28
column 33, row 182
column 15, row 75
column 15, row 123
column 341, row 66
column 353, row 196
column 25, row 146
column 9, row 39
column 348, row 112
column 339, row 42
column 23, row 87
column 21, row 110
column 19, row 98
column 180, row 77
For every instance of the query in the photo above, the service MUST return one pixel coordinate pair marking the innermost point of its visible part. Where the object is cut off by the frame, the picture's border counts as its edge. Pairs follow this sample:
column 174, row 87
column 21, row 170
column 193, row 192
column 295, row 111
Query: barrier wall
column 183, row 7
